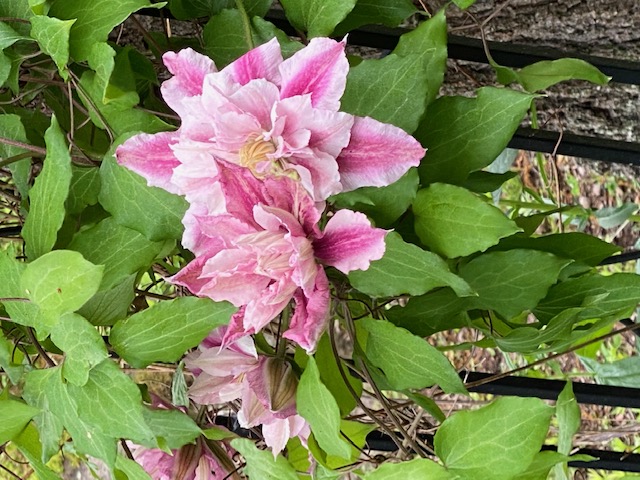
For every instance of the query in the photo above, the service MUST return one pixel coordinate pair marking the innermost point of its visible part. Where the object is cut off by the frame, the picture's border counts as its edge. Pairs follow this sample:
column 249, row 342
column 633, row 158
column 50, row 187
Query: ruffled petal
column 311, row 314
column 377, row 155
column 189, row 69
column 319, row 69
column 261, row 62
column 151, row 157
column 350, row 242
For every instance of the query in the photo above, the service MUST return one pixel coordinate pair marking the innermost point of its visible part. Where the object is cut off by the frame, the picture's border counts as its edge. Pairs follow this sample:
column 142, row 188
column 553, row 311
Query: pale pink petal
column 261, row 62
column 276, row 435
column 350, row 242
column 252, row 412
column 235, row 328
column 319, row 69
column 311, row 314
column 189, row 69
column 377, row 155
column 268, row 305
column 208, row 390
column 151, row 157
column 157, row 463
column 318, row 173
column 190, row 276
column 257, row 99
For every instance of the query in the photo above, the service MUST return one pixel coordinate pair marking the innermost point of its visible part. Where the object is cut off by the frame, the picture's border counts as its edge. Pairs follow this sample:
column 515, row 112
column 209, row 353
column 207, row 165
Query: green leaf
column 131, row 469
column 427, row 404
column 261, row 465
column 429, row 42
column 498, row 441
column 84, row 188
column 111, row 402
column 175, row 427
column 464, row 4
column 166, row 331
column 542, row 75
column 11, row 359
column 454, row 222
column 48, row 195
column 60, row 281
column 29, row 445
column 612, row 217
column 8, row 36
column 391, row 90
column 621, row 373
column 485, row 182
column 416, row 468
column 568, row 414
column 315, row 403
column 463, row 134
column 542, row 463
column 408, row 361
column 179, row 389
column 21, row 312
column 369, row 12
column 512, row 281
column 190, row 9
column 14, row 416
column 5, row 68
column 430, row 313
column 154, row 212
column 357, row 433
column 382, row 204
column 331, row 378
column 121, row 250
column 94, row 20
column 108, row 306
column 603, row 296
column 317, row 17
column 52, row 34
column 82, row 344
column 11, row 127
column 406, row 269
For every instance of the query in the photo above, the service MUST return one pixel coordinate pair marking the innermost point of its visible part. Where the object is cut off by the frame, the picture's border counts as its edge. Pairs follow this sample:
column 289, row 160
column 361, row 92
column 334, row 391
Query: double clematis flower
column 261, row 146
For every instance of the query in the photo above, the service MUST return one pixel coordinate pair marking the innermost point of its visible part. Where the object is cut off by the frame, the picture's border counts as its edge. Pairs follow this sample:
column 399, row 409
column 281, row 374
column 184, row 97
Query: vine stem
column 26, row 146
column 246, row 24
column 9, row 160
column 39, row 348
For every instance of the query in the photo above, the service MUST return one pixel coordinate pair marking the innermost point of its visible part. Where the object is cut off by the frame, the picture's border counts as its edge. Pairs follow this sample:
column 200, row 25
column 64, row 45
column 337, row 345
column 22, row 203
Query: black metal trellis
column 595, row 148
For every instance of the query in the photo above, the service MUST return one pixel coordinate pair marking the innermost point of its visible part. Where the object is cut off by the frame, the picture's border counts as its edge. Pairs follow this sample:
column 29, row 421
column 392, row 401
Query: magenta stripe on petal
column 350, row 242
column 151, row 157
column 378, row 154
column 261, row 62
column 319, row 69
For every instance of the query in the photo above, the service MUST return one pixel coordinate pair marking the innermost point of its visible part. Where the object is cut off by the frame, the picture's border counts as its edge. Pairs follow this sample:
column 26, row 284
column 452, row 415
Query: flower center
column 254, row 155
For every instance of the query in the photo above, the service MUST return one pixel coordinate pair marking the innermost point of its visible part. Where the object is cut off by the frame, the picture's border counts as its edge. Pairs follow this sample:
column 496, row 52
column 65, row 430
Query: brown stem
column 39, row 348
column 26, row 146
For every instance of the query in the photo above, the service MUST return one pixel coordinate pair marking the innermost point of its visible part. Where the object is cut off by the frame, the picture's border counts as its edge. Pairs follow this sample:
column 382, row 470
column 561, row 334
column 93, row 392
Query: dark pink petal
column 189, row 69
column 189, row 276
column 319, row 69
column 311, row 314
column 151, row 157
column 261, row 62
column 377, row 155
column 350, row 242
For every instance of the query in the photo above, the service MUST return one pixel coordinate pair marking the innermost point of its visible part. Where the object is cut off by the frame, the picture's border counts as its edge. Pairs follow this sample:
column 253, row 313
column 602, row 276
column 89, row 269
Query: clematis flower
column 266, row 385
column 268, row 250
column 272, row 116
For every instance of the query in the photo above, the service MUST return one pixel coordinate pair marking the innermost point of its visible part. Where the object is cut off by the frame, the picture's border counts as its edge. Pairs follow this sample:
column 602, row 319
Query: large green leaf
column 8, row 36
column 391, row 90
column 498, row 441
column 108, row 306
column 315, row 403
column 368, row 12
column 603, row 296
column 542, row 463
column 84, row 188
column 454, row 222
column 48, row 195
column 83, row 346
column 463, row 134
column 621, row 373
column 133, row 470
column 154, row 212
column 512, row 281
column 384, row 205
column 111, row 402
column 14, row 416
column 317, row 17
column 52, row 34
column 430, row 313
column 176, row 427
column 406, row 269
column 21, row 312
column 412, row 469
column 94, row 20
column 190, row 9
column 542, row 75
column 121, row 250
column 166, row 331
column 60, row 281
column 568, row 415
column 261, row 464
column 408, row 361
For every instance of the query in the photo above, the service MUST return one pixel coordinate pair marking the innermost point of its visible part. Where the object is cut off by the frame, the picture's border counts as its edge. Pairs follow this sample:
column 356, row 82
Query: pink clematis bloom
column 268, row 250
column 267, row 387
column 276, row 118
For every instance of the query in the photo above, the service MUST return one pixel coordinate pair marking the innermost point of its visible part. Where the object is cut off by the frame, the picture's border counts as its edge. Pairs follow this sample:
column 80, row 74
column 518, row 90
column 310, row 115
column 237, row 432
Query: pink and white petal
column 235, row 328
column 377, row 155
column 275, row 385
column 233, row 278
column 189, row 69
column 198, row 236
column 318, row 173
column 252, row 412
column 319, row 69
column 350, row 242
column 311, row 314
column 208, row 390
column 276, row 435
column 242, row 191
column 269, row 305
column 222, row 362
column 226, row 228
column 151, row 157
column 257, row 99
column 191, row 276
column 261, row 62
